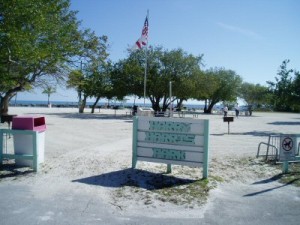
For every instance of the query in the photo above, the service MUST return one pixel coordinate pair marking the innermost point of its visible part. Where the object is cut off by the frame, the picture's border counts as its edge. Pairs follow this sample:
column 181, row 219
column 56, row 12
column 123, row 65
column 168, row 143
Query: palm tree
column 49, row 90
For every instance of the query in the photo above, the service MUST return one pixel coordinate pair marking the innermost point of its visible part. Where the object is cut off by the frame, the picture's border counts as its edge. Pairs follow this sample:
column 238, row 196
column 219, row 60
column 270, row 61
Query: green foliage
column 76, row 80
column 255, row 94
column 163, row 66
column 38, row 38
column 40, row 41
column 48, row 90
column 216, row 85
column 296, row 92
column 285, row 89
column 93, row 78
column 181, row 67
column 128, row 77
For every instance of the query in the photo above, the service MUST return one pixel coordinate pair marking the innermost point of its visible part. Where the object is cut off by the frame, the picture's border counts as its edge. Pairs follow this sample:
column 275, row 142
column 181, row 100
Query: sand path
column 88, row 159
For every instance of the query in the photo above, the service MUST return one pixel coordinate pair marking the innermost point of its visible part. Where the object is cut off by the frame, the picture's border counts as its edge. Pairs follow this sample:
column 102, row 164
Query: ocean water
column 63, row 103
column 32, row 103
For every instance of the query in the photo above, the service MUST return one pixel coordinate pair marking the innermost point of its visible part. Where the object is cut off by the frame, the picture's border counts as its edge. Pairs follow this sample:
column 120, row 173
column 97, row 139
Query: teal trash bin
column 23, row 144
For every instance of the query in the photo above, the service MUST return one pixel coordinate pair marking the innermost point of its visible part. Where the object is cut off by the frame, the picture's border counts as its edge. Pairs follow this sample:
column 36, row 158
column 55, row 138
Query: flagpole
column 146, row 62
column 145, row 76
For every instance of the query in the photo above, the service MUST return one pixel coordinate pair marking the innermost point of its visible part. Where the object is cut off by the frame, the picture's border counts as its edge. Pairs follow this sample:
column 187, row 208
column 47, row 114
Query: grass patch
column 192, row 193
column 293, row 175
column 179, row 189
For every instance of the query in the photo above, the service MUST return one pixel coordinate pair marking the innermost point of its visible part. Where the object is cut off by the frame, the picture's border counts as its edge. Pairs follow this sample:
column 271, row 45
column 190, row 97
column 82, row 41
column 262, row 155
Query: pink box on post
column 35, row 123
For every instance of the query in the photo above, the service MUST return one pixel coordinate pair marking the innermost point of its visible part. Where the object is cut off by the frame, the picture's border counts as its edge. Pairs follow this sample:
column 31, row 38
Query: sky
column 251, row 37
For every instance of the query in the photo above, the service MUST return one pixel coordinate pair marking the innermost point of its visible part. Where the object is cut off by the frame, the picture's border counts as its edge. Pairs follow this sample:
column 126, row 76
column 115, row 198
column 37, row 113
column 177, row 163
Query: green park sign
column 171, row 141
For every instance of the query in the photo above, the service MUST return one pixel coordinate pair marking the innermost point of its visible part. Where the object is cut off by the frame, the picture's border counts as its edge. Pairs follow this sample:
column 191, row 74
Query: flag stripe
column 138, row 44
column 143, row 40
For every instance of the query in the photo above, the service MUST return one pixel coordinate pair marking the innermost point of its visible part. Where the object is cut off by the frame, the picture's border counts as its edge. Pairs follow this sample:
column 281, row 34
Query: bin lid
column 29, row 122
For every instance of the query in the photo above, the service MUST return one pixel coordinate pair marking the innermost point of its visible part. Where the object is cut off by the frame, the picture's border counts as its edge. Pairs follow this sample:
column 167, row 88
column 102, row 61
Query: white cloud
column 245, row 32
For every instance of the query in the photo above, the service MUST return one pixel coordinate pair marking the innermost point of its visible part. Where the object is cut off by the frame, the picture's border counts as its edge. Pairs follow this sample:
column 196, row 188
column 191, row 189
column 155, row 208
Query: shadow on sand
column 285, row 123
column 135, row 178
column 90, row 116
column 269, row 180
column 250, row 133
column 11, row 170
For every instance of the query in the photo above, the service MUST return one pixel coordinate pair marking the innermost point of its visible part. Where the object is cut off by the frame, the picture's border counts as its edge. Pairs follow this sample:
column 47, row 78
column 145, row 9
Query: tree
column 282, row 88
column 217, row 85
column 49, row 90
column 204, row 87
column 127, row 76
column 296, row 92
column 254, row 94
column 89, row 79
column 163, row 66
column 102, row 84
column 37, row 40
column 181, row 68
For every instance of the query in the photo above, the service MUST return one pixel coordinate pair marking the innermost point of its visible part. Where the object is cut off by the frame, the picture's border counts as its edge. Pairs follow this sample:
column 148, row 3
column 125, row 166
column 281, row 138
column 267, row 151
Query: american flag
column 143, row 40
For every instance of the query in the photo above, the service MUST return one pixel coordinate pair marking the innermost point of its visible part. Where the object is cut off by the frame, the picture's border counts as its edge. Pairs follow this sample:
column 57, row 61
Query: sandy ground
column 87, row 174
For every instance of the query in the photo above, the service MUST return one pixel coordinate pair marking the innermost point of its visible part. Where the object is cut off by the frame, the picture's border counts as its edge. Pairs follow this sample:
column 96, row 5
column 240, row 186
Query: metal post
column 134, row 141
column 285, row 166
column 169, row 168
column 206, row 152
column 145, row 76
column 79, row 91
column 228, row 127
column 171, row 103
column 146, row 62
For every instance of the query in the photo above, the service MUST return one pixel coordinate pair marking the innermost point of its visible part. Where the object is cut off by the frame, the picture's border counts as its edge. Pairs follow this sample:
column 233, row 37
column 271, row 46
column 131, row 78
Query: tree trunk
column 82, row 105
column 210, row 107
column 48, row 99
column 5, row 102
column 94, row 105
column 205, row 106
column 165, row 105
column 155, row 106
column 179, row 104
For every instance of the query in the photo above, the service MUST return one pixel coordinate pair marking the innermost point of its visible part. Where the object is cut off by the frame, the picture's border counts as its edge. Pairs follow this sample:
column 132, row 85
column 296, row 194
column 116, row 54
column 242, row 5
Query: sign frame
column 171, row 141
column 288, row 144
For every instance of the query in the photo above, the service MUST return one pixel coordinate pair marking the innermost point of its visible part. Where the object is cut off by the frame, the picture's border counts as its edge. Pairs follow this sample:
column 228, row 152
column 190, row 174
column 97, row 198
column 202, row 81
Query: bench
column 160, row 114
